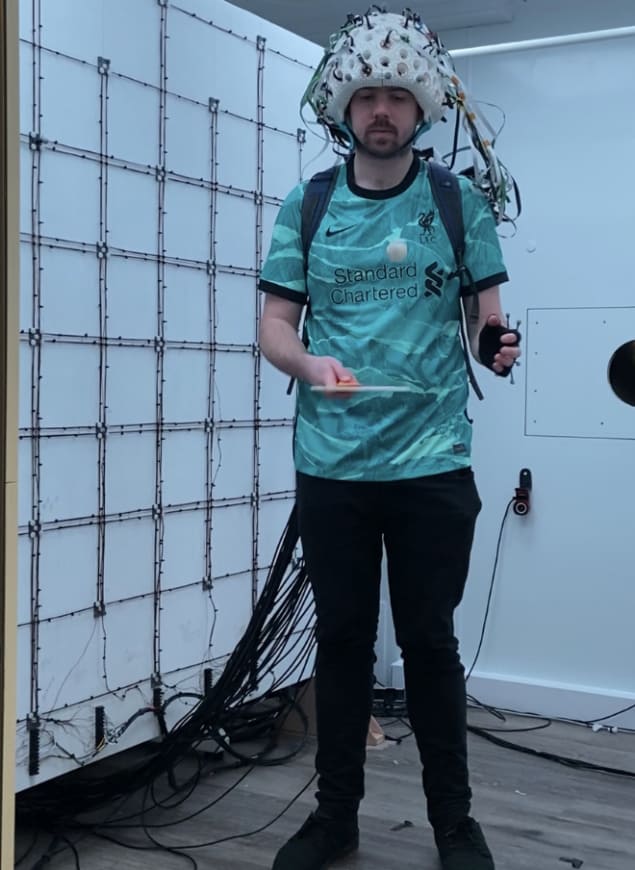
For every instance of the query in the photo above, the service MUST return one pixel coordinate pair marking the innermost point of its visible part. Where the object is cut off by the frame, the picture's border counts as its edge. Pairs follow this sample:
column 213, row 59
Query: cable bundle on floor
column 247, row 702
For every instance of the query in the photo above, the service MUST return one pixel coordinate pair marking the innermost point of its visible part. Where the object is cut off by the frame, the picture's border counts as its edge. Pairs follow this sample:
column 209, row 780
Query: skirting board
column 558, row 701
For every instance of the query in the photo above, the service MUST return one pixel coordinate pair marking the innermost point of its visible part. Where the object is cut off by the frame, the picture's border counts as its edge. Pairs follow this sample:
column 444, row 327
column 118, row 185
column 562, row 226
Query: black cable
column 455, row 140
column 549, row 756
column 256, row 830
column 564, row 719
column 282, row 611
column 491, row 710
column 116, row 826
column 602, row 718
column 491, row 589
column 29, row 849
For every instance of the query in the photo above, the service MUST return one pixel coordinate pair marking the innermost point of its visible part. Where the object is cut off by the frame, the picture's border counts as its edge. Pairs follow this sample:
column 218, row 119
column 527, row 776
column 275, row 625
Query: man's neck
column 375, row 173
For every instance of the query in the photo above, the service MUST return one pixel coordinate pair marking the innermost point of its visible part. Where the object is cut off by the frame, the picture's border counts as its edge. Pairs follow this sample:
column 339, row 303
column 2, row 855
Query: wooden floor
column 536, row 813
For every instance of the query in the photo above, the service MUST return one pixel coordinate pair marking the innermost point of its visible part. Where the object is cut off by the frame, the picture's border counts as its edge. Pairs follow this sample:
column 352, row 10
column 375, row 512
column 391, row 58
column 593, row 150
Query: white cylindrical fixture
column 545, row 42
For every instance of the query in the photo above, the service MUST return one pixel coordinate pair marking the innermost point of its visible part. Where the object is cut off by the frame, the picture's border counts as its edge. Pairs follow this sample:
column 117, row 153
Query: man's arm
column 281, row 345
column 482, row 332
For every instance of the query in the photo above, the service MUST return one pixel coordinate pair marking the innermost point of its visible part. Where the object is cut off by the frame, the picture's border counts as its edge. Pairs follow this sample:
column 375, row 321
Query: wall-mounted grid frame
column 150, row 515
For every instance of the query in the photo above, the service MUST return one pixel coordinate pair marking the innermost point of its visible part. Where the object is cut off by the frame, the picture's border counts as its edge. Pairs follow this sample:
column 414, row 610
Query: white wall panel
column 24, row 684
column 235, row 304
column 68, row 478
column 283, row 91
column 559, row 631
column 282, row 163
column 236, row 231
column 24, row 413
column 202, row 73
column 128, row 648
column 79, row 127
column 132, row 373
column 26, row 276
column 273, row 392
column 183, row 554
column 273, row 518
column 237, row 143
column 88, row 28
column 67, row 571
column 183, row 468
column 274, row 443
column 70, row 293
column 26, row 88
column 129, row 556
column 233, row 463
column 132, row 206
column 231, row 541
column 188, row 623
column 85, row 39
column 187, row 374
column 584, row 406
column 153, row 492
column 26, row 187
column 130, row 472
column 24, row 583
column 69, row 194
column 132, row 304
column 186, row 305
column 69, row 669
column 235, row 396
column 189, row 135
column 133, row 125
column 187, row 222
column 232, row 599
column 69, row 386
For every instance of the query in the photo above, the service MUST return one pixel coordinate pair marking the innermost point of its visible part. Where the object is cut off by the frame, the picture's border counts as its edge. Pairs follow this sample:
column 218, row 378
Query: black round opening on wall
column 622, row 372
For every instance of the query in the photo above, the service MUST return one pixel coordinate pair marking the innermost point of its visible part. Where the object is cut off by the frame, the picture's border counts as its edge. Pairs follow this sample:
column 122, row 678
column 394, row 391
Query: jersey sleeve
column 483, row 254
column 282, row 273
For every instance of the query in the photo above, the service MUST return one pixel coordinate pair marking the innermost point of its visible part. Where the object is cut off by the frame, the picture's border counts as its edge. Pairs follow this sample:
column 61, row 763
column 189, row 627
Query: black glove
column 489, row 344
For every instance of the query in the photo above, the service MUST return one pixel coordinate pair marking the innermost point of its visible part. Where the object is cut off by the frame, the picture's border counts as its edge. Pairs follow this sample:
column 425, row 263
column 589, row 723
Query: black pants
column 426, row 525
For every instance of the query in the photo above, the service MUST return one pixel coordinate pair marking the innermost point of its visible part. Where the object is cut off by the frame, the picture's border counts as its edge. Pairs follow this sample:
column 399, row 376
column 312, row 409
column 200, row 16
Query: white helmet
column 382, row 48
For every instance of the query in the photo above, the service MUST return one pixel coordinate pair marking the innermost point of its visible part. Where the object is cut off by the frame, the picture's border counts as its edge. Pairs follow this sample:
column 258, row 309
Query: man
column 390, row 466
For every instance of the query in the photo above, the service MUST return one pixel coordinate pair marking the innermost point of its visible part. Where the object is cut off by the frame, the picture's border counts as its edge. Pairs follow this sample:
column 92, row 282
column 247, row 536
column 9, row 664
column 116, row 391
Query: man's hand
column 326, row 371
column 498, row 347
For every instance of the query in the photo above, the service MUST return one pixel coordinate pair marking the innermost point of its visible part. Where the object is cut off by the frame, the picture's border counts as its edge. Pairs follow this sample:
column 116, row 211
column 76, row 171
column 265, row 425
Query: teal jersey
column 384, row 302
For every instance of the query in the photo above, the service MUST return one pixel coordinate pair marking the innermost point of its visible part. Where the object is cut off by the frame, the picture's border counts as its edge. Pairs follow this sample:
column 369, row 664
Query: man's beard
column 397, row 150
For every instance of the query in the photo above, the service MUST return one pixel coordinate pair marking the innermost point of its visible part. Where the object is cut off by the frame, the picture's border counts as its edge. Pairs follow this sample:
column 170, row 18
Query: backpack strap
column 315, row 201
column 447, row 196
column 317, row 196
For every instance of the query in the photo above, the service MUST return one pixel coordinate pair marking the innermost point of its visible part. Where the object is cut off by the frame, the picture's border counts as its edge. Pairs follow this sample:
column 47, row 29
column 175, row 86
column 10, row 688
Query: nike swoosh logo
column 331, row 232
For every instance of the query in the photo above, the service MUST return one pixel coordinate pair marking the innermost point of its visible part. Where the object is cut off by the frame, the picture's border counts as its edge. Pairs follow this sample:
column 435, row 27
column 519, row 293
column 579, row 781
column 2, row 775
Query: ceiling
column 317, row 19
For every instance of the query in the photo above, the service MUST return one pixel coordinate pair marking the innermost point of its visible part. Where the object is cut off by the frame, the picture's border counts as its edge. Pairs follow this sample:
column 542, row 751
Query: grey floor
column 536, row 813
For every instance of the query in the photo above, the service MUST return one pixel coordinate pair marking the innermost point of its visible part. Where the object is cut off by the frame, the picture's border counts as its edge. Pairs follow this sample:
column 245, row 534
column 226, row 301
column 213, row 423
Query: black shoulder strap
column 447, row 195
column 317, row 195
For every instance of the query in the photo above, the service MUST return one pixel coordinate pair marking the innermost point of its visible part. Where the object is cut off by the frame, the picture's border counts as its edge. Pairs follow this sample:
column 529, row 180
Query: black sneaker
column 316, row 845
column 463, row 847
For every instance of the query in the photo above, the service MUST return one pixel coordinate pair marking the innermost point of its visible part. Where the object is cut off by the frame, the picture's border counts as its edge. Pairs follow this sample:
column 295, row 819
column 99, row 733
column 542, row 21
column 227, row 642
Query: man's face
column 383, row 119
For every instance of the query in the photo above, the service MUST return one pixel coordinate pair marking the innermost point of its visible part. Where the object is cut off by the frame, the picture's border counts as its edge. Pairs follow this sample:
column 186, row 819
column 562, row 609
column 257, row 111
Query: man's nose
column 381, row 109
